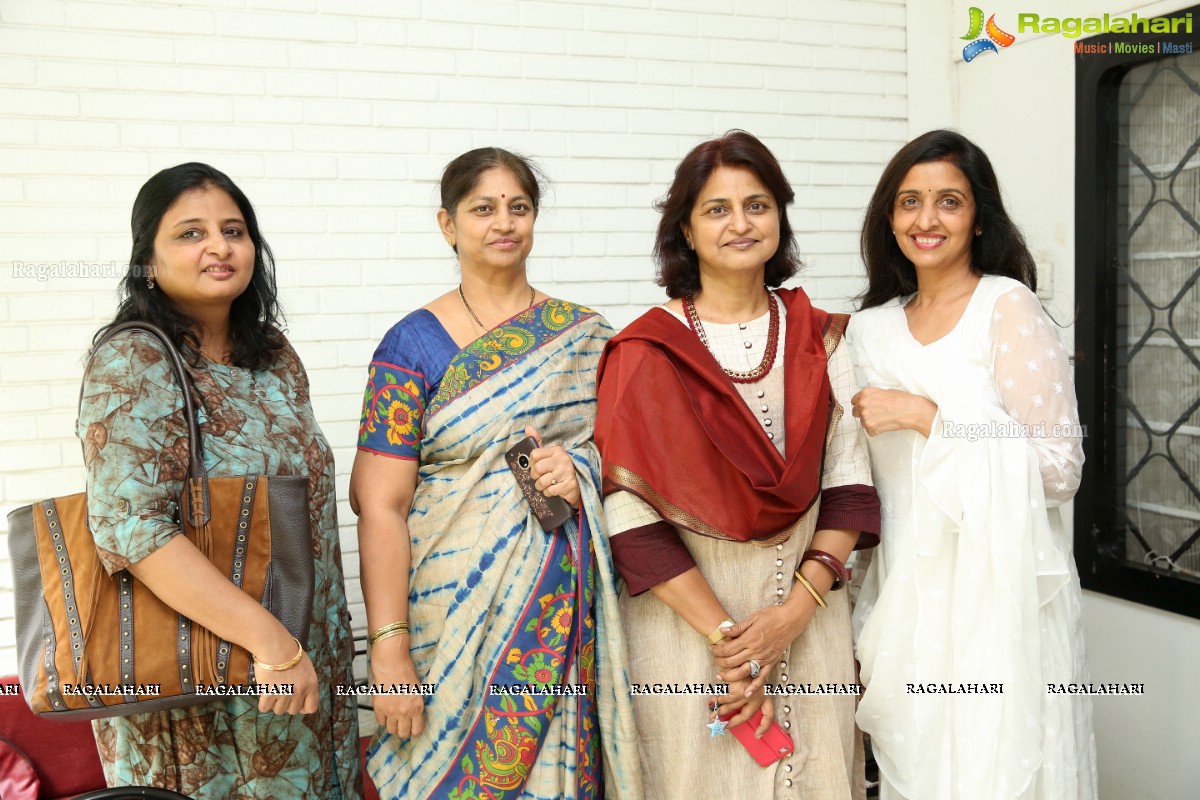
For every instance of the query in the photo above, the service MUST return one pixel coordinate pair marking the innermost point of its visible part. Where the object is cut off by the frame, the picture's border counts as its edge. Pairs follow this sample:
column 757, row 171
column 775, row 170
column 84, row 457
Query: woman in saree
column 971, row 606
column 736, row 485
column 463, row 588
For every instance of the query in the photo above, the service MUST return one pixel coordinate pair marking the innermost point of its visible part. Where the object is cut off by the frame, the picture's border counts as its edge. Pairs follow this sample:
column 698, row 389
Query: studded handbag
column 93, row 645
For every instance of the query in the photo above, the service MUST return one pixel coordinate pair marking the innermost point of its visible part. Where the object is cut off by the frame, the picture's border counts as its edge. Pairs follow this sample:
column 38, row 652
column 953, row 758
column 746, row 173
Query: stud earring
column 979, row 231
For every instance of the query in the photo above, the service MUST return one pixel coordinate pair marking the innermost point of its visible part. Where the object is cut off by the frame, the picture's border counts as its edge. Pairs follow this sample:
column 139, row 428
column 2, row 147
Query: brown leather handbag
column 92, row 645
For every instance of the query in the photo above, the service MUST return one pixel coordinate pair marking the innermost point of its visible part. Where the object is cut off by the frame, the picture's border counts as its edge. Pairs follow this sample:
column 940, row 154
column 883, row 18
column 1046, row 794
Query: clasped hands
column 762, row 637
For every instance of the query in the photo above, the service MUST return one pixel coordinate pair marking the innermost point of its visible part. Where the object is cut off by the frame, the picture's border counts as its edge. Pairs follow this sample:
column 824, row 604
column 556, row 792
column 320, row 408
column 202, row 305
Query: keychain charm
column 717, row 726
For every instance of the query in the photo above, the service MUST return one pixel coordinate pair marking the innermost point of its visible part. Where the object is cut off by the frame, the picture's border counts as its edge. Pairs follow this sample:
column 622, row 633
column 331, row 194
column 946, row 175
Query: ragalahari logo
column 987, row 43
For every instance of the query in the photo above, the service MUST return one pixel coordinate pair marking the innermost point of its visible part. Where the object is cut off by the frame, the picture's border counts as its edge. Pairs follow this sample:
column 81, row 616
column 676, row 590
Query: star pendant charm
column 716, row 728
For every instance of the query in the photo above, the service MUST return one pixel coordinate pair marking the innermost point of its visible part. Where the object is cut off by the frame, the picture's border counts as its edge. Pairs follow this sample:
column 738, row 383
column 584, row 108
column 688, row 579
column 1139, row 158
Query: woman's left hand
column 763, row 637
column 553, row 470
column 884, row 410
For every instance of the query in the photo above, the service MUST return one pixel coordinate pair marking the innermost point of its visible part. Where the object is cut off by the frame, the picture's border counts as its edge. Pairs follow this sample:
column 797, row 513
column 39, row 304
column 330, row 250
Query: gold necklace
column 467, row 305
column 223, row 360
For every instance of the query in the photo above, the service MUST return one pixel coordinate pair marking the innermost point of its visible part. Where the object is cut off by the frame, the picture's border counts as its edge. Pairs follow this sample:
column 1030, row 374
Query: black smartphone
column 550, row 511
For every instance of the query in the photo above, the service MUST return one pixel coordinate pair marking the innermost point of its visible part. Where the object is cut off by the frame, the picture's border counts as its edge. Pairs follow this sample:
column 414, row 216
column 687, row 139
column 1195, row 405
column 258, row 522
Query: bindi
column 502, row 196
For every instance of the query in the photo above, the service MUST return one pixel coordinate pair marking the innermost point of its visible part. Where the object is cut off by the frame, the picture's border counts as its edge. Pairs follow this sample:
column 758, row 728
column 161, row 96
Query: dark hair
column 999, row 250
column 678, row 266
column 463, row 173
column 255, row 321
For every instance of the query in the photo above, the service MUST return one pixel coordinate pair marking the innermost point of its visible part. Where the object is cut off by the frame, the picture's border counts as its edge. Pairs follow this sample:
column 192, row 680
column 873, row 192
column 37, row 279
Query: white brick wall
column 336, row 118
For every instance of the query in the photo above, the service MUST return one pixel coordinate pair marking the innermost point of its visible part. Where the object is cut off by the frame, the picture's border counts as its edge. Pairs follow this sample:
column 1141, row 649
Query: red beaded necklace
column 768, row 360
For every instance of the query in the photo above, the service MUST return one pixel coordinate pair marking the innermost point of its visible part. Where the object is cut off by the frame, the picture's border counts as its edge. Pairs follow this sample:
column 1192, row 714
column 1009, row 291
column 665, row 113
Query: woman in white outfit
column 971, row 608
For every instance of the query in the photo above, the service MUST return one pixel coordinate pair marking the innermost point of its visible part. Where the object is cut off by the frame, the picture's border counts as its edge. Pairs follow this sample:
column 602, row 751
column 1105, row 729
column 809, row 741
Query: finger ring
column 553, row 481
column 755, row 668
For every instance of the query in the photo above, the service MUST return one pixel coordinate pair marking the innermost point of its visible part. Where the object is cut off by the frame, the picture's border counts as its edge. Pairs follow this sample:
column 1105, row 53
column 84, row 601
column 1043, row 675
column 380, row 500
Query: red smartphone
column 774, row 745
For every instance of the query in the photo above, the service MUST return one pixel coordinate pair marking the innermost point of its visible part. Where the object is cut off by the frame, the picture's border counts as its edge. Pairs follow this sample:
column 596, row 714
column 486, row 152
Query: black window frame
column 1100, row 546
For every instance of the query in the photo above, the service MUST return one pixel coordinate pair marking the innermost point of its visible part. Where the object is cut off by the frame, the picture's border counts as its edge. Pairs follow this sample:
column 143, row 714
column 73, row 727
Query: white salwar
column 974, row 584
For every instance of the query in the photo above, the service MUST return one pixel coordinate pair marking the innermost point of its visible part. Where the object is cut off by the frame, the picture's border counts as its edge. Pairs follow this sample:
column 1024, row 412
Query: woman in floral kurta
column 135, row 449
column 253, row 419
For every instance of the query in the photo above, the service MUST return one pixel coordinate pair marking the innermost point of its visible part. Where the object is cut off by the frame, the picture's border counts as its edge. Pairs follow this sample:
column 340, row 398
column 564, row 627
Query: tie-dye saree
column 504, row 617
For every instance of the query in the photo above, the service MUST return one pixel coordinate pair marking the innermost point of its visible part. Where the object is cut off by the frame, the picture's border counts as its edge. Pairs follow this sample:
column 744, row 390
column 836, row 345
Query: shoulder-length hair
column 999, row 249
column 255, row 320
column 678, row 266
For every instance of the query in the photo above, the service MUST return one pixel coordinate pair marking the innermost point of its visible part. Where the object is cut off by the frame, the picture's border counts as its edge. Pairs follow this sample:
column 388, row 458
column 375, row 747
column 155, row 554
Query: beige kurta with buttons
column 679, row 757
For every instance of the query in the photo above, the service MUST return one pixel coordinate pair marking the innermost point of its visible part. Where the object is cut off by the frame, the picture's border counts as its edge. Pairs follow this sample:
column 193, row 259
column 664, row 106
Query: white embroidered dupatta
column 974, row 587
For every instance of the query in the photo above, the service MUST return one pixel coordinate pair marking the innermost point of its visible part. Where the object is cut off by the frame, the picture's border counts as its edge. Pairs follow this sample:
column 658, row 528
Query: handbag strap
column 196, row 497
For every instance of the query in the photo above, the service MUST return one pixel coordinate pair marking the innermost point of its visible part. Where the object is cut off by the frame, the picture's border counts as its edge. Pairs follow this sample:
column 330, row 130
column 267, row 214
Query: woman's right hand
column 392, row 664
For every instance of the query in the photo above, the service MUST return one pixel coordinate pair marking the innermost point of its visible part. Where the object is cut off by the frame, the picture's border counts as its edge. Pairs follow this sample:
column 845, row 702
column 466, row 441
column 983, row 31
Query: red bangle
column 841, row 576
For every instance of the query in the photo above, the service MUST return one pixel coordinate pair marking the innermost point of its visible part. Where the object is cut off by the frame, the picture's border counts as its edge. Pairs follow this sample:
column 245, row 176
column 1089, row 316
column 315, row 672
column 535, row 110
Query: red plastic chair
column 61, row 756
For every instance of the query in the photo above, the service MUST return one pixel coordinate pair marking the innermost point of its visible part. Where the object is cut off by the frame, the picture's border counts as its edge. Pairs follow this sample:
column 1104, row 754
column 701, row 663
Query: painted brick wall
column 336, row 118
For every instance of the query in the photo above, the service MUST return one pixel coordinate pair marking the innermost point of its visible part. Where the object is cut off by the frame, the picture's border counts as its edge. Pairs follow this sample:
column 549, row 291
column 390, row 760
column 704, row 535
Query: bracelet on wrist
column 293, row 661
column 718, row 635
column 388, row 631
column 811, row 589
column 841, row 575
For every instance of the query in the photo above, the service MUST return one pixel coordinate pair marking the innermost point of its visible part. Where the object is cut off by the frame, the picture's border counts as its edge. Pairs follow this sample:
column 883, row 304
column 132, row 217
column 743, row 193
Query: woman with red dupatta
column 736, row 485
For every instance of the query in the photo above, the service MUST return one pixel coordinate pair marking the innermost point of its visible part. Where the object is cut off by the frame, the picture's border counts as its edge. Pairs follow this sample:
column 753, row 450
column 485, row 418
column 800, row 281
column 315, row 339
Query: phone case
column 774, row 745
column 550, row 511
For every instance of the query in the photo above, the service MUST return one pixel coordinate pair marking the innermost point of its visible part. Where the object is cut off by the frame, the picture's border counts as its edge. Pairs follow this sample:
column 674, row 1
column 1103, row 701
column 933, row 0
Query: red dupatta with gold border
column 672, row 428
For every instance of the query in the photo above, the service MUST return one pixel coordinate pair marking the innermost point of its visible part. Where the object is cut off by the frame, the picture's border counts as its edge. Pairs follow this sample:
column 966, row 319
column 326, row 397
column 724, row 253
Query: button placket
column 778, row 576
column 786, row 763
column 764, row 408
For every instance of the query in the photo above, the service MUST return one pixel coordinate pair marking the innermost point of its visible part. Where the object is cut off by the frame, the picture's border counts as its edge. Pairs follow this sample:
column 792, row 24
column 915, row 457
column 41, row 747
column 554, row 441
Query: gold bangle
column 388, row 631
column 387, row 635
column 293, row 661
column 718, row 635
column 811, row 589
